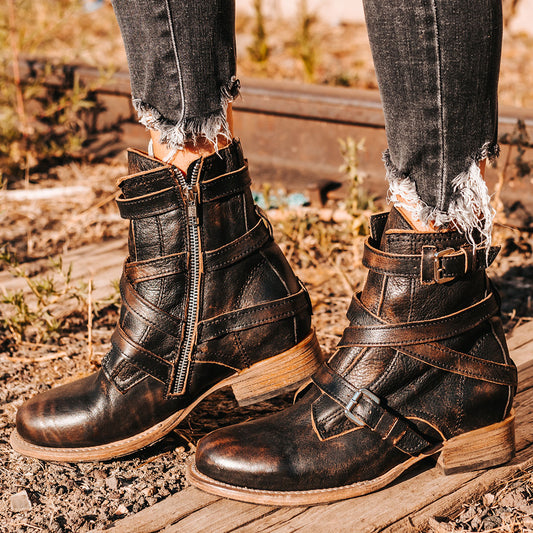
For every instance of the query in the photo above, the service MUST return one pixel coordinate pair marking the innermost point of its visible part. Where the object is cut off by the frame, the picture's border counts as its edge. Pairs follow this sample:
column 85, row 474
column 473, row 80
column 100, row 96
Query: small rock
column 528, row 522
column 488, row 499
column 467, row 515
column 121, row 510
column 20, row 502
column 506, row 516
column 99, row 474
column 148, row 491
column 476, row 523
column 492, row 522
column 111, row 483
column 516, row 500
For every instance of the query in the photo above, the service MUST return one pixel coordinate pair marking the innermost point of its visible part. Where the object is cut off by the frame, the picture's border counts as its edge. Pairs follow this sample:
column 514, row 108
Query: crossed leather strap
column 418, row 340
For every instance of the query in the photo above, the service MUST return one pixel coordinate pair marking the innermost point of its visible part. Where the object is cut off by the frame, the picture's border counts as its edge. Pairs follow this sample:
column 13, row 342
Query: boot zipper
column 195, row 270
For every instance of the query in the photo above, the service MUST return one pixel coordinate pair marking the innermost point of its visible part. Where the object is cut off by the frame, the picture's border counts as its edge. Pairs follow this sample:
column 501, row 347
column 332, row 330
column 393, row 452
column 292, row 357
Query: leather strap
column 169, row 199
column 364, row 408
column 418, row 344
column 253, row 316
column 383, row 334
column 147, row 312
column 431, row 265
column 445, row 358
column 225, row 185
column 137, row 271
column 241, row 247
column 150, row 204
column 143, row 359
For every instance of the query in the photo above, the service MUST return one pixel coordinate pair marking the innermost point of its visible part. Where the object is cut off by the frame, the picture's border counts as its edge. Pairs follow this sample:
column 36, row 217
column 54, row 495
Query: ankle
column 408, row 211
column 182, row 158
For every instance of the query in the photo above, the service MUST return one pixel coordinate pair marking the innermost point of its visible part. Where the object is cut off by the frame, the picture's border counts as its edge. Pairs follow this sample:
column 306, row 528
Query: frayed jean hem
column 189, row 130
column 468, row 208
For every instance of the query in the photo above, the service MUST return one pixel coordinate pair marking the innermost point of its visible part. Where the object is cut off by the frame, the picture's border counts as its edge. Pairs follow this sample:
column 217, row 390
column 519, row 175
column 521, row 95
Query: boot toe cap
column 233, row 455
column 52, row 418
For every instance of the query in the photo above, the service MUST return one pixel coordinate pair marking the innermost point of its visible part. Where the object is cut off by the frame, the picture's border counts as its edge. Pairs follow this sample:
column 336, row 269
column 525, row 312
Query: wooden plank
column 453, row 502
column 99, row 262
column 520, row 343
column 220, row 517
column 168, row 511
column 525, row 377
column 280, row 520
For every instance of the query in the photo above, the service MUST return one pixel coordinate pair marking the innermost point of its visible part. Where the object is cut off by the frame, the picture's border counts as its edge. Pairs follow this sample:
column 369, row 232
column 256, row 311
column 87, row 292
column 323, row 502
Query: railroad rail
column 290, row 131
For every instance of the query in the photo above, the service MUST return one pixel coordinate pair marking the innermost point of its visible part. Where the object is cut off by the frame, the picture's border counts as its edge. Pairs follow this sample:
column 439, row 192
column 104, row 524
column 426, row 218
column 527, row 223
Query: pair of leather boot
column 208, row 301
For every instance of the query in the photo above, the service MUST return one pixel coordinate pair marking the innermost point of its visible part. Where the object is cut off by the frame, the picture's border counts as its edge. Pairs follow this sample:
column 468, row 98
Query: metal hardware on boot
column 439, row 271
column 191, row 313
column 433, row 356
column 355, row 399
column 180, row 337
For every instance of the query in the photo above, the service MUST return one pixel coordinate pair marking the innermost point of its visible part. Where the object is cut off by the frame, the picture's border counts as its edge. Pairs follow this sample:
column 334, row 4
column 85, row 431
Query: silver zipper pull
column 192, row 207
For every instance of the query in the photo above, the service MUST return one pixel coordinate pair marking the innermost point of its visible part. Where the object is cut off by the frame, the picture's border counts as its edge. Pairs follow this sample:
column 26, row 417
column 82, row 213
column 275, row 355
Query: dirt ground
column 79, row 498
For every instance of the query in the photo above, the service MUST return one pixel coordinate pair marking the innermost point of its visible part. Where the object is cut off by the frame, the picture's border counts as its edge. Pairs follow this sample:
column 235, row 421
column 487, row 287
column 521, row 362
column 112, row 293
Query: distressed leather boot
column 421, row 370
column 208, row 300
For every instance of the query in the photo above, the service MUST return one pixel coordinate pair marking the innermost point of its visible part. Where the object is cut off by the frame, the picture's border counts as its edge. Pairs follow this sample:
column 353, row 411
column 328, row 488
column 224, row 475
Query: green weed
column 358, row 201
column 306, row 44
column 40, row 124
column 42, row 310
column 259, row 50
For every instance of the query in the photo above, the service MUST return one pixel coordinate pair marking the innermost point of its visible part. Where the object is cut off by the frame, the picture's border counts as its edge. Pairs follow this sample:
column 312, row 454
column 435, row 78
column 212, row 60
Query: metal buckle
column 438, row 269
column 354, row 401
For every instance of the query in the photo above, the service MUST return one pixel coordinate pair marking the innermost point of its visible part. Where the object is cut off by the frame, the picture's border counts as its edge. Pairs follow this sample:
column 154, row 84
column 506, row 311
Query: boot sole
column 475, row 450
column 263, row 380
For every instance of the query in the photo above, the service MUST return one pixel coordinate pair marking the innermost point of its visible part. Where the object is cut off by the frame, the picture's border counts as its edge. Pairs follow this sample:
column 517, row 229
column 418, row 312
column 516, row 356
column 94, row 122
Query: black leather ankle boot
column 208, row 300
column 421, row 370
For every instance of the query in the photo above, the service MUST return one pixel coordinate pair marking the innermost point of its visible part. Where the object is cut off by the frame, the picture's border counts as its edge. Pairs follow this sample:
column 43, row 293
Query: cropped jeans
column 437, row 64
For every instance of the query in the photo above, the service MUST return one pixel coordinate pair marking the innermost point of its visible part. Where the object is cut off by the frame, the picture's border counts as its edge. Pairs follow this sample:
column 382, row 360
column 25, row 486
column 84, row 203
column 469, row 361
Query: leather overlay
column 365, row 410
column 143, row 359
column 143, row 206
column 147, row 312
column 422, row 266
column 249, row 317
column 226, row 185
column 241, row 247
column 377, row 225
column 464, row 364
column 140, row 271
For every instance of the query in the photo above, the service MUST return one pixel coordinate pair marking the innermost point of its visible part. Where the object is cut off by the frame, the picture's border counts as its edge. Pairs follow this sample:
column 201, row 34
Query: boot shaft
column 201, row 252
column 409, row 297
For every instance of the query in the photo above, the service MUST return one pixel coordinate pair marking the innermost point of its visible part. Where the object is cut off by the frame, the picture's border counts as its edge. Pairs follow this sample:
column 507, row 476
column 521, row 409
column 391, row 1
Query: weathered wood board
column 100, row 263
column 407, row 505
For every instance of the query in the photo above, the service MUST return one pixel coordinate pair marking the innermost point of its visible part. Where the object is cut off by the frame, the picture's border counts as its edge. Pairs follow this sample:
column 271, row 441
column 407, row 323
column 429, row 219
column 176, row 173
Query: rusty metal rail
column 290, row 131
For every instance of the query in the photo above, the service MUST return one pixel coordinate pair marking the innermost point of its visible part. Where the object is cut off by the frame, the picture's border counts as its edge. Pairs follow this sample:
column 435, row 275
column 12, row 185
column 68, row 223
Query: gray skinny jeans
column 437, row 63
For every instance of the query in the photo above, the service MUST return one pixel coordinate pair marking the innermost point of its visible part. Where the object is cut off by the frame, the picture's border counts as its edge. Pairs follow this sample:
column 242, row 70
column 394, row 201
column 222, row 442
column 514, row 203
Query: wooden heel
column 485, row 447
column 280, row 373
